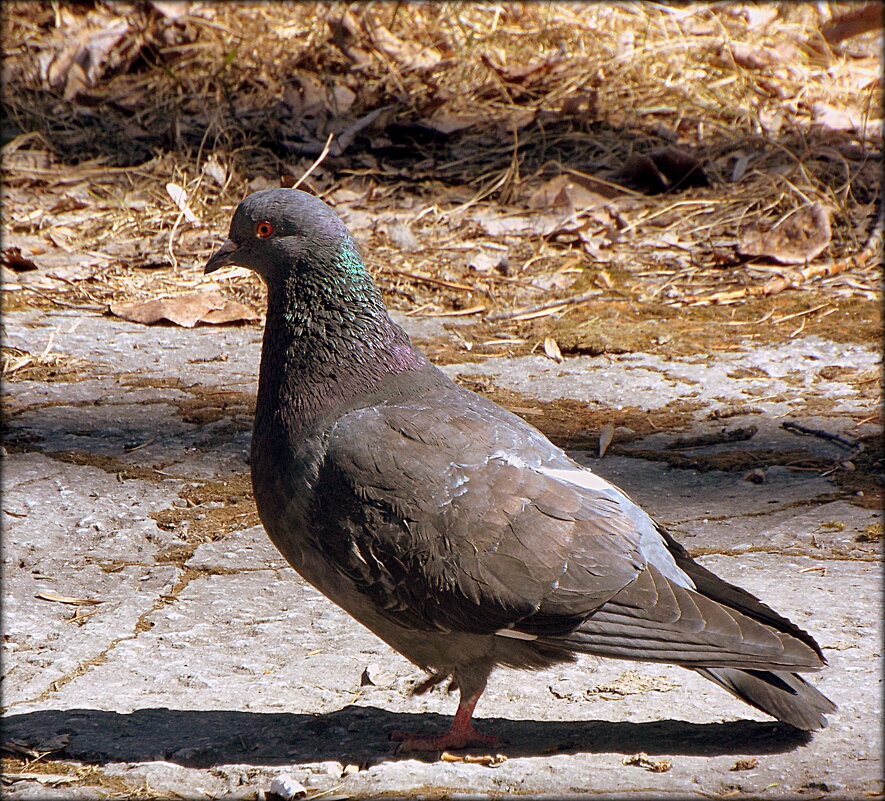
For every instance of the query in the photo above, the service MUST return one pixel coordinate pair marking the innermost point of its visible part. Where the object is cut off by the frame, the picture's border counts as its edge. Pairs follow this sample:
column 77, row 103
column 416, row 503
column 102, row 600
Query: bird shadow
column 359, row 735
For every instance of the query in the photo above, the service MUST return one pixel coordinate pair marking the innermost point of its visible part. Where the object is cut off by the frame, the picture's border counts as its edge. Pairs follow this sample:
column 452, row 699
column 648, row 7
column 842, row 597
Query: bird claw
column 412, row 741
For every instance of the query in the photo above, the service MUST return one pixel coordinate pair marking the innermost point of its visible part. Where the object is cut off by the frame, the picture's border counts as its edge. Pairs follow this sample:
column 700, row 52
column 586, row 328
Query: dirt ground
column 557, row 179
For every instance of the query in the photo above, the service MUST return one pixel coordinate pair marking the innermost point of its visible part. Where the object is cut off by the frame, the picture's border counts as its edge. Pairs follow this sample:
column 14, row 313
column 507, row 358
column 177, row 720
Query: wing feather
column 519, row 549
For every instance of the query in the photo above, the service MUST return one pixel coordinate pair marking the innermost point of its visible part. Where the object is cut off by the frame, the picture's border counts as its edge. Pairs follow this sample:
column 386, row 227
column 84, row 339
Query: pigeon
column 450, row 527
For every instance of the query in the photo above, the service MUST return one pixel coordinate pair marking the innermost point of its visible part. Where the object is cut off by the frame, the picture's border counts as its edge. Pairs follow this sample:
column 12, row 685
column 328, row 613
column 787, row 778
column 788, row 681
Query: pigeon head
column 285, row 233
column 326, row 320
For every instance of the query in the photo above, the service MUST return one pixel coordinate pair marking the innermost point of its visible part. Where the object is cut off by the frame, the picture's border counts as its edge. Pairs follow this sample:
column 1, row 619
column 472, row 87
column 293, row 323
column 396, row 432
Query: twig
column 715, row 438
column 458, row 313
column 801, row 313
column 428, row 279
column 554, row 304
column 797, row 428
column 346, row 137
column 319, row 160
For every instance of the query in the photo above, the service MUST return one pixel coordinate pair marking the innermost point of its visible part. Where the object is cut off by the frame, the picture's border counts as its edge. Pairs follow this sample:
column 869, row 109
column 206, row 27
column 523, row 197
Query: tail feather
column 654, row 619
column 785, row 696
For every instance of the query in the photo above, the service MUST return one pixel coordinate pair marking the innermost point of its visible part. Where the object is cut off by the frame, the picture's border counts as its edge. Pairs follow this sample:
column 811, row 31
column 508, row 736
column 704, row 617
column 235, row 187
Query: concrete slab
column 209, row 668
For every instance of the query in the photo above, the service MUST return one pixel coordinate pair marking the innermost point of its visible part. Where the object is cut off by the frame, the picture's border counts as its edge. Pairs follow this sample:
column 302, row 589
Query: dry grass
column 442, row 121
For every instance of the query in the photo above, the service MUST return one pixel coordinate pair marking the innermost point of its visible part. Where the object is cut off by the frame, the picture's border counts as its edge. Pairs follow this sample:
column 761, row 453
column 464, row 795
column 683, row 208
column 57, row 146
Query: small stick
column 797, row 428
column 428, row 279
column 715, row 438
column 544, row 306
column 319, row 160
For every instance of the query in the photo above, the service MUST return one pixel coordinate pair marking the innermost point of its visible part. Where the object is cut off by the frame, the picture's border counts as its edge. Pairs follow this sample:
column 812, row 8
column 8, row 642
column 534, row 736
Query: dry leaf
column 755, row 57
column 858, row 20
column 517, row 119
column 606, row 434
column 401, row 235
column 179, row 197
column 171, row 9
column 341, row 99
column 406, row 54
column 741, row 162
column 484, row 261
column 631, row 682
column 760, row 15
column 798, row 239
column 489, row 760
column 551, row 348
column 496, row 224
column 13, row 259
column 519, row 73
column 445, row 122
column 554, row 281
column 87, row 48
column 200, row 306
column 46, row 595
column 840, row 119
column 215, row 170
column 564, row 190
column 642, row 760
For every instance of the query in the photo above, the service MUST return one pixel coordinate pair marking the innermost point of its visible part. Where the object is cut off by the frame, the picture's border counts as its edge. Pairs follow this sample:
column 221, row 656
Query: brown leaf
column 840, row 119
column 519, row 73
column 755, row 57
column 46, row 595
column 565, row 190
column 606, row 434
column 179, row 197
column 13, row 259
column 187, row 309
column 446, row 122
column 401, row 235
column 855, row 21
column 546, row 223
column 642, row 760
column 516, row 119
column 304, row 95
column 171, row 9
column 760, row 16
column 551, row 349
column 801, row 237
column 83, row 55
column 755, row 476
column 406, row 54
column 484, row 261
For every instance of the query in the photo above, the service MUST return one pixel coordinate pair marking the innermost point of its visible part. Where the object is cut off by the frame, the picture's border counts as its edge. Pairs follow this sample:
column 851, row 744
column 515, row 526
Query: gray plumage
column 450, row 527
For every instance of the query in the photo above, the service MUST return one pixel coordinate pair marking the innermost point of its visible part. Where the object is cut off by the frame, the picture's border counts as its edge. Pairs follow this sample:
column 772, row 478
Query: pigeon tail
column 653, row 619
column 785, row 696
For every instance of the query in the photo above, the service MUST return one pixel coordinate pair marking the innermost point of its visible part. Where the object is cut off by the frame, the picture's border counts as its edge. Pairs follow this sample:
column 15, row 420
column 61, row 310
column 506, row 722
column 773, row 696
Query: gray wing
column 446, row 520
column 471, row 520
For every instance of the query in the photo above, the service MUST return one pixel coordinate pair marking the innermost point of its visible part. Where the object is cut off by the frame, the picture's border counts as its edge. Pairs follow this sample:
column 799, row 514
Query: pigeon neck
column 328, row 339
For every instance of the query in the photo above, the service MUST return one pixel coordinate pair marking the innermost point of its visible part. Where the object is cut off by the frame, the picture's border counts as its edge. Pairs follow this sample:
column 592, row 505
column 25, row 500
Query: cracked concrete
column 209, row 668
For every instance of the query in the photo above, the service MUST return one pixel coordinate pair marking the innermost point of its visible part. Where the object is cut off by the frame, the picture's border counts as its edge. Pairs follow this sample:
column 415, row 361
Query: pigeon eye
column 263, row 230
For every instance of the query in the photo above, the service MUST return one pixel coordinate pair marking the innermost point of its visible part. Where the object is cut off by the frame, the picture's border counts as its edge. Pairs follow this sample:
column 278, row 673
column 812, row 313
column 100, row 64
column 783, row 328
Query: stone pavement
column 210, row 670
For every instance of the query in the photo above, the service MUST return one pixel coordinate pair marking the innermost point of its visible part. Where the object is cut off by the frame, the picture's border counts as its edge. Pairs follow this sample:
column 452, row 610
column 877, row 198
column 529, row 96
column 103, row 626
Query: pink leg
column 460, row 735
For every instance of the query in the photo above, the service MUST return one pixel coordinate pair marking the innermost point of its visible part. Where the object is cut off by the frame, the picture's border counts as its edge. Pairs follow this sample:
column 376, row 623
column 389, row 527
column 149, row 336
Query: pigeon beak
column 222, row 257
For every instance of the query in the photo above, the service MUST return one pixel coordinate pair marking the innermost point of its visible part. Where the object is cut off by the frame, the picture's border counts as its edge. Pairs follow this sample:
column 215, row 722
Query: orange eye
column 263, row 230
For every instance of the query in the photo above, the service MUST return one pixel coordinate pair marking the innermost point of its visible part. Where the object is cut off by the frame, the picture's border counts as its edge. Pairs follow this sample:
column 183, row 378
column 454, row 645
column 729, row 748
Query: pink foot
column 460, row 735
column 461, row 738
